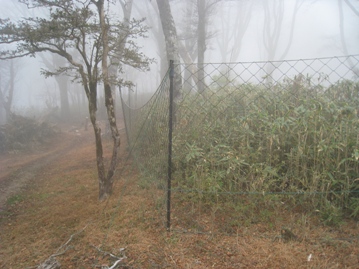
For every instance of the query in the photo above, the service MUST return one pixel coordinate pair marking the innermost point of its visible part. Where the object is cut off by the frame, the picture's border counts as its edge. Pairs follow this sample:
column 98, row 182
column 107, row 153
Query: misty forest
column 179, row 134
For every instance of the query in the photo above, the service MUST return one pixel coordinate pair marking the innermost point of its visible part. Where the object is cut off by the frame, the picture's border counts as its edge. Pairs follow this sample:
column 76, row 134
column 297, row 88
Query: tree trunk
column 354, row 69
column 272, row 32
column 156, row 28
column 201, row 42
column 191, row 71
column 103, row 186
column 6, row 96
column 64, row 97
column 61, row 81
column 106, row 185
column 169, row 30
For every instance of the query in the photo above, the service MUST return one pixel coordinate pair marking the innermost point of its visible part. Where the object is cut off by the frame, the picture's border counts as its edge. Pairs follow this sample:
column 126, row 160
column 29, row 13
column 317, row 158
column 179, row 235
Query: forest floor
column 49, row 205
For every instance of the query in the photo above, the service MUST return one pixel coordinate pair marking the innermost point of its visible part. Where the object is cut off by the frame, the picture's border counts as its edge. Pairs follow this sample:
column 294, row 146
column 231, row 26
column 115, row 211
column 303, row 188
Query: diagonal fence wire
column 252, row 136
column 147, row 135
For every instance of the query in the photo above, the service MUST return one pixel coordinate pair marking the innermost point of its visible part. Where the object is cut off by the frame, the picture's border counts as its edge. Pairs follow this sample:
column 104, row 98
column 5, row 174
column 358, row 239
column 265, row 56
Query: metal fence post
column 128, row 115
column 170, row 129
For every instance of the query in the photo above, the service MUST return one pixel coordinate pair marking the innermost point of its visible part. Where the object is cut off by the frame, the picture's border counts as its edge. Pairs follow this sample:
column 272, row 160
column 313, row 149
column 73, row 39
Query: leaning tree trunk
column 169, row 30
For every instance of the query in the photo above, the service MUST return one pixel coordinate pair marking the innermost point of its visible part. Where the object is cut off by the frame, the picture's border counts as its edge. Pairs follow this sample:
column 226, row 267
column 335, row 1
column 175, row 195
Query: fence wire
column 147, row 135
column 252, row 140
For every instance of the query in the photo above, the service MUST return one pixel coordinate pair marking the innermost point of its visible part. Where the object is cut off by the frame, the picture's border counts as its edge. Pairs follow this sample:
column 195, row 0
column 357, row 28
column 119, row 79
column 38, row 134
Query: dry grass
column 62, row 200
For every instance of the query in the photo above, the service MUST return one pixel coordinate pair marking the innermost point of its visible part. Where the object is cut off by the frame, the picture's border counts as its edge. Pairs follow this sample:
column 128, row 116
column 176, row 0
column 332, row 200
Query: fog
column 316, row 33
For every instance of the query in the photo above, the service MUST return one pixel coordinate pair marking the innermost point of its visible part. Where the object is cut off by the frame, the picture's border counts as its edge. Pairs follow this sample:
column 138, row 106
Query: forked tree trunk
column 106, row 181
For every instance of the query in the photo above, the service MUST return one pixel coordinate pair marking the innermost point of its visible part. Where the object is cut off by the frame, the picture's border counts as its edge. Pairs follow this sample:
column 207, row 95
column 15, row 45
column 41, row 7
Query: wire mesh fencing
column 147, row 131
column 254, row 140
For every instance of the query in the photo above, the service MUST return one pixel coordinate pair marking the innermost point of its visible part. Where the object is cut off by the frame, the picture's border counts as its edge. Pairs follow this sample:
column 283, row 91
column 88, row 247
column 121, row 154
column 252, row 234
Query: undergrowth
column 294, row 138
column 289, row 138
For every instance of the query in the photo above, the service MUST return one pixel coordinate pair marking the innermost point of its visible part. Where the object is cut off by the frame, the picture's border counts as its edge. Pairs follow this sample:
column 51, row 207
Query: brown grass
column 62, row 200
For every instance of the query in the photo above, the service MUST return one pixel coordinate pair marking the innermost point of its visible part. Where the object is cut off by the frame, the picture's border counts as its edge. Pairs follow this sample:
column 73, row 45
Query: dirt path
column 17, row 170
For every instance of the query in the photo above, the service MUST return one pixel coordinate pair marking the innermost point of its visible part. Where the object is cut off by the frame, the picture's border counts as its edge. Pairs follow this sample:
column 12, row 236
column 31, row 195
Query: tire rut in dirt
column 19, row 179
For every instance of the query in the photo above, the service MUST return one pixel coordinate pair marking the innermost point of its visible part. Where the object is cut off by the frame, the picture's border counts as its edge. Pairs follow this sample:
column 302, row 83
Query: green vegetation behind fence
column 293, row 135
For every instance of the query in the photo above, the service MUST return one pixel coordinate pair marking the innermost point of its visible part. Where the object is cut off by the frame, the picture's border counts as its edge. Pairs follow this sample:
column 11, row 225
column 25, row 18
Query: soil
column 18, row 168
column 49, row 206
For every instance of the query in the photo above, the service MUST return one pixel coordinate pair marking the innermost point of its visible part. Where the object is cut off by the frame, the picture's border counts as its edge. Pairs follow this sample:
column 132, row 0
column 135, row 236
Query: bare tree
column 273, row 30
column 194, row 38
column 205, row 10
column 8, row 76
column 61, row 80
column 230, row 39
column 240, row 27
column 151, row 13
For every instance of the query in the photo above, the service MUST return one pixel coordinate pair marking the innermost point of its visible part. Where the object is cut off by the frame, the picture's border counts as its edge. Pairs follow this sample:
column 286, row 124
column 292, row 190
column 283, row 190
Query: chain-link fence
column 147, row 130
column 251, row 140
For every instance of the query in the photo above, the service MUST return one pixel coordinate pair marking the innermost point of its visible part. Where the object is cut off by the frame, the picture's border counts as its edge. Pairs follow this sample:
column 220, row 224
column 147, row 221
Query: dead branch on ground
column 118, row 259
column 52, row 262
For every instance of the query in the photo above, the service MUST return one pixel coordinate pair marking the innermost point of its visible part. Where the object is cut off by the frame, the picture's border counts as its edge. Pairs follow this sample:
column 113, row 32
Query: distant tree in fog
column 8, row 75
column 62, row 80
column 191, row 43
column 149, row 10
column 273, row 26
column 204, row 9
column 234, row 27
column 91, row 40
column 342, row 31
column 195, row 35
